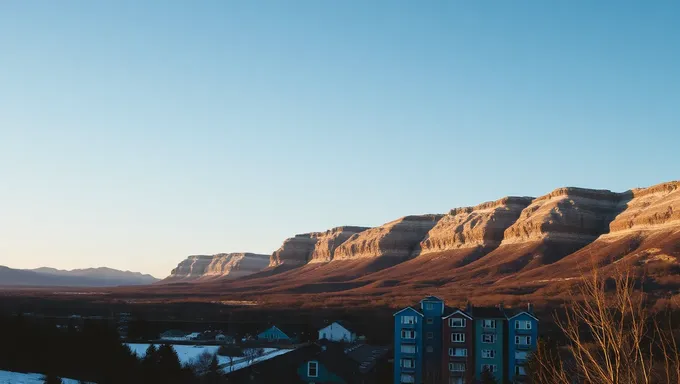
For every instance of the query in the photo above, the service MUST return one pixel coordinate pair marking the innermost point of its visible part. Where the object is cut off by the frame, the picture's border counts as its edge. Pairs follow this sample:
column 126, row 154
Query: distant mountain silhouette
column 90, row 277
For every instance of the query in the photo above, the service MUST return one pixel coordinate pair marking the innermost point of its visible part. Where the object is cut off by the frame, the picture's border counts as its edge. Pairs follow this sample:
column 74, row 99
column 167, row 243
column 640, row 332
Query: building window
column 522, row 340
column 429, row 320
column 520, row 355
column 520, row 371
column 457, row 367
column 407, row 378
column 408, row 319
column 456, row 322
column 430, row 335
column 408, row 334
column 489, row 338
column 491, row 324
column 488, row 353
column 313, row 369
column 489, row 367
column 458, row 352
column 408, row 348
column 407, row 363
column 429, row 349
column 456, row 380
column 429, row 306
column 457, row 337
column 522, row 324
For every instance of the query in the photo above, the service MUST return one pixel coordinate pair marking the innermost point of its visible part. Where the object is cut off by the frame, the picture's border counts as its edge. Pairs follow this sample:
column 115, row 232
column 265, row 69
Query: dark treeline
column 92, row 352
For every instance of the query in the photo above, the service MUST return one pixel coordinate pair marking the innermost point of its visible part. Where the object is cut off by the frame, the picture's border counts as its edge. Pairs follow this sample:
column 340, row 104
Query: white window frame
column 405, row 332
column 411, row 348
column 523, row 324
column 453, row 325
column 407, row 378
column 411, row 363
column 489, row 324
column 518, row 340
column 524, row 355
column 488, row 353
column 314, row 364
column 520, row 370
column 460, row 336
column 429, row 306
column 453, row 352
column 456, row 365
column 429, row 320
column 490, row 367
column 408, row 320
column 429, row 335
column 493, row 338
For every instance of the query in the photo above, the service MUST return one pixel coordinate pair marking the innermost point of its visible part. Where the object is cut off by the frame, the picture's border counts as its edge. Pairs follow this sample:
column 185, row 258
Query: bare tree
column 201, row 364
column 252, row 353
column 611, row 338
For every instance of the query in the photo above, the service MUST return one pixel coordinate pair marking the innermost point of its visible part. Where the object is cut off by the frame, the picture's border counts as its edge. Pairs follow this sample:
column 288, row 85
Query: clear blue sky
column 135, row 133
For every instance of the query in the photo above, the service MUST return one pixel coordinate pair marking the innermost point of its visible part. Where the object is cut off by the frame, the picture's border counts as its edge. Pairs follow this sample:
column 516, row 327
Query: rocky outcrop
column 192, row 267
column 479, row 226
column 235, row 265
column 295, row 250
column 647, row 209
column 397, row 239
column 327, row 242
column 566, row 214
column 221, row 265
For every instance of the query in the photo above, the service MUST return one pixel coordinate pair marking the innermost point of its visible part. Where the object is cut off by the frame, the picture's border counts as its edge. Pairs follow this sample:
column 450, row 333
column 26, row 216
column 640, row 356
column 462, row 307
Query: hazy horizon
column 134, row 134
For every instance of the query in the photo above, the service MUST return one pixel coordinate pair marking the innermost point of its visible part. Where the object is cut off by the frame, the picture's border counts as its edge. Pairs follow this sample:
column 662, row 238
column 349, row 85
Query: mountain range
column 514, row 246
column 90, row 277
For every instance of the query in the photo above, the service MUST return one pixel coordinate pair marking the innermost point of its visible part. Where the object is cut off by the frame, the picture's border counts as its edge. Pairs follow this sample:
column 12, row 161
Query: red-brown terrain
column 512, row 249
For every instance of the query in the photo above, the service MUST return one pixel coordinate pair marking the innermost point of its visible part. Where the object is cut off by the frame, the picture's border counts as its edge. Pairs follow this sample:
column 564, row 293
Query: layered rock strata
column 470, row 227
column 397, row 238
column 231, row 265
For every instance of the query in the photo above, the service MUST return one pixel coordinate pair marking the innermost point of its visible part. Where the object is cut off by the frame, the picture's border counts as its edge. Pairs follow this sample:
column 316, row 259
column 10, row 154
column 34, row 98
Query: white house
column 337, row 332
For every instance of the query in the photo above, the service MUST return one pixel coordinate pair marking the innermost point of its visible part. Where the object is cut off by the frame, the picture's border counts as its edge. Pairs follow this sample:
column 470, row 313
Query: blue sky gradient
column 134, row 133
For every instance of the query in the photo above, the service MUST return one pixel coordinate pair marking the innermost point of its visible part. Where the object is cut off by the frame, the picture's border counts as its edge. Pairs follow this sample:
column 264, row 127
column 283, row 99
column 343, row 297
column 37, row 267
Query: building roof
column 488, row 313
column 517, row 313
column 279, row 369
column 458, row 311
column 431, row 298
column 408, row 308
column 366, row 355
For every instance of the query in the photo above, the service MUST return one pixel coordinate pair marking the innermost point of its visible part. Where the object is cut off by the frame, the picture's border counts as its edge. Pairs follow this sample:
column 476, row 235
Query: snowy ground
column 7, row 377
column 187, row 353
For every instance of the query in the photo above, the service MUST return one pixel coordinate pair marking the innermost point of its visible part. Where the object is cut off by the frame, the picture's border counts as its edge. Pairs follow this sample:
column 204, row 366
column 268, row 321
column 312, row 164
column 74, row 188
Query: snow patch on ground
column 188, row 353
column 7, row 377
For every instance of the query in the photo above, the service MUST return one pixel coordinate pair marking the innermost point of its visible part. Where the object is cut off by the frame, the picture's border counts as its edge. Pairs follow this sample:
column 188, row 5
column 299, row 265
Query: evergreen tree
column 213, row 375
column 169, row 368
column 488, row 378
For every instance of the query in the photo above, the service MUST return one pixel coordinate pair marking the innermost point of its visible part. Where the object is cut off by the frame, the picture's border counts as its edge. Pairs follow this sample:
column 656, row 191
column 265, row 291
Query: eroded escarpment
column 656, row 208
column 327, row 242
column 221, row 265
column 470, row 227
column 565, row 215
column 397, row 238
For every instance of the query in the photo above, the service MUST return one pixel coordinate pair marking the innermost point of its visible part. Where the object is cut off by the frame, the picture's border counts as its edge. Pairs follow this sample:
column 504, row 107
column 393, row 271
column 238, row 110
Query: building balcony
column 409, row 341
column 522, row 331
column 407, row 326
column 525, row 347
column 408, row 369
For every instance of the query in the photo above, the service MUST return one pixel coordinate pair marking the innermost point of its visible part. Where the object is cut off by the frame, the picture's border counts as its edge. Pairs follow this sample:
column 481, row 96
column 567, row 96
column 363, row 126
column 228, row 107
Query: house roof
column 341, row 323
column 366, row 355
column 488, row 313
column 279, row 369
column 458, row 311
column 431, row 298
column 523, row 312
column 276, row 327
column 408, row 308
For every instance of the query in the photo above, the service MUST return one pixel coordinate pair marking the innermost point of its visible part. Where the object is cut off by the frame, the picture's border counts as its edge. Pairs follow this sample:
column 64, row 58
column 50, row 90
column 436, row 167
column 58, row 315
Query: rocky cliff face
column 398, row 239
column 566, row 214
column 479, row 226
column 648, row 209
column 295, row 250
column 231, row 265
column 327, row 242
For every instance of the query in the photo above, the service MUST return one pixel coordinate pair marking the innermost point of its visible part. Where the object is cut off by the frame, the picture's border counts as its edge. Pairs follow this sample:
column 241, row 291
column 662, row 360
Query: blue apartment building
column 408, row 346
column 522, row 341
column 501, row 342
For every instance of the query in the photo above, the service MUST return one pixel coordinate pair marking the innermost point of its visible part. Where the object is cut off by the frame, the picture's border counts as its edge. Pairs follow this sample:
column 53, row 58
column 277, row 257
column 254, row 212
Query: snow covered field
column 187, row 353
column 7, row 377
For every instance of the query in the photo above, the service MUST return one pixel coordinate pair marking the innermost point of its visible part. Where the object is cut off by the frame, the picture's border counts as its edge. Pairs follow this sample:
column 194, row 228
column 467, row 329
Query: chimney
column 468, row 307
column 530, row 308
